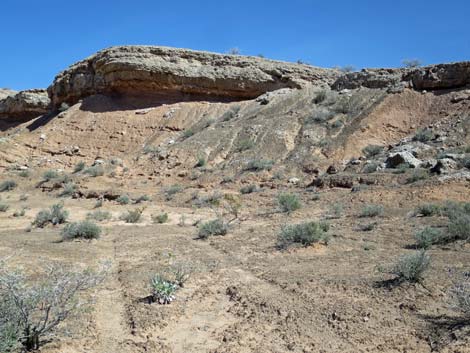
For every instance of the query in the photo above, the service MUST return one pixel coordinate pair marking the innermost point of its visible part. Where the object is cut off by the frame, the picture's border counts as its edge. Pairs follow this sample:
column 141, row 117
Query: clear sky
column 41, row 38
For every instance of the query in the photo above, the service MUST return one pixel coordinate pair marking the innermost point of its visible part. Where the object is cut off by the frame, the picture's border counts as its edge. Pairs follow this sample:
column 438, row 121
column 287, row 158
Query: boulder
column 444, row 166
column 442, row 76
column 24, row 104
column 171, row 71
column 395, row 159
column 5, row 92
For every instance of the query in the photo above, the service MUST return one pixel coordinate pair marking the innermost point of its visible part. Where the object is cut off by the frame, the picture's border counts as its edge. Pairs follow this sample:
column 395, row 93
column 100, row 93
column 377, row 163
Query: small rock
column 395, row 159
column 332, row 170
column 294, row 181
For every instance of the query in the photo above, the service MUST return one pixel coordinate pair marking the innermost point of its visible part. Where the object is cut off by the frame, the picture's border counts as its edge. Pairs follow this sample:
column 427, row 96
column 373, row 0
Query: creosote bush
column 410, row 267
column 54, row 215
column 8, row 185
column 288, row 202
column 123, row 200
column 132, row 216
column 371, row 211
column 214, row 227
column 304, row 234
column 83, row 229
column 160, row 218
column 31, row 311
column 99, row 215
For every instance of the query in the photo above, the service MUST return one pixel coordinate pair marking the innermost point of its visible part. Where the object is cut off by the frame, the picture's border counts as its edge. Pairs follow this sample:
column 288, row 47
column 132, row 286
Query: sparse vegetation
column 24, row 173
column 370, row 168
column 19, row 213
column 417, row 175
column 94, row 171
column 79, row 167
column 288, row 202
column 132, row 216
column 188, row 133
column 427, row 237
column 411, row 63
column 143, row 198
column 4, row 207
column 256, row 165
column 214, row 227
column 83, row 229
column 8, row 185
column 372, row 150
column 201, row 161
column 320, row 97
column 50, row 175
column 69, row 189
column 319, row 115
column 245, row 145
column 423, row 135
column 368, row 227
column 410, row 267
column 458, row 228
column 54, row 215
column 123, row 200
column 31, row 311
column 336, row 210
column 371, row 211
column 460, row 295
column 99, row 216
column 172, row 190
column 428, row 210
column 248, row 189
column 163, row 290
column 160, row 218
column 304, row 234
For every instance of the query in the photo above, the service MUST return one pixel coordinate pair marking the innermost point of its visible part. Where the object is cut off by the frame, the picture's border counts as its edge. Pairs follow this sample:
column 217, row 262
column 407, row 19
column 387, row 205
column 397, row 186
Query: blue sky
column 41, row 38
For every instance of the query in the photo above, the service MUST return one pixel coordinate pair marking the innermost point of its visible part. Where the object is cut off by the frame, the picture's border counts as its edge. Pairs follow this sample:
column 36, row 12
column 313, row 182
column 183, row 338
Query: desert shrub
column 371, row 211
column 401, row 168
column 228, row 179
column 54, row 215
column 23, row 197
column 210, row 200
column 336, row 210
column 214, row 227
column 256, row 165
column 201, row 161
column 172, row 190
column 31, row 311
column 411, row 63
column 50, row 174
column 149, row 149
column 132, row 216
column 99, row 215
column 319, row 115
column 336, row 124
column 372, row 150
column 410, row 267
column 320, row 97
column 417, row 175
column 368, row 227
column 427, row 237
column 83, row 229
column 79, row 167
column 370, row 168
column 248, row 189
column 245, row 145
column 4, row 207
column 453, row 209
column 143, row 198
column 188, row 133
column 163, row 290
column 69, row 190
column 160, row 218
column 304, row 234
column 423, row 135
column 460, row 295
column 123, row 200
column 8, row 185
column 459, row 228
column 288, row 202
column 98, row 204
column 19, row 213
column 94, row 171
column 427, row 210
column 24, row 173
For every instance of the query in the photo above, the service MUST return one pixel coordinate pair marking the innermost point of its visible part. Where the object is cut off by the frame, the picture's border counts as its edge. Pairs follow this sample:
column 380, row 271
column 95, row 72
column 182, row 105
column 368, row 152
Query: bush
column 459, row 228
column 288, row 202
column 256, row 165
column 94, row 171
column 123, row 200
column 55, row 215
column 143, row 198
column 244, row 145
column 4, row 207
column 99, row 215
column 427, row 210
column 411, row 267
column 32, row 311
column 163, row 290
column 320, row 97
column 69, row 190
column 161, row 218
column 133, row 216
column 411, row 63
column 368, row 227
column 79, row 167
column 8, row 185
column 248, row 189
column 50, row 174
column 423, row 135
column 427, row 237
column 372, row 150
column 172, row 190
column 370, row 168
column 371, row 211
column 336, row 210
column 24, row 173
column 214, row 227
column 83, row 229
column 460, row 295
column 418, row 174
column 20, row 213
column 188, row 133
column 319, row 115
column 303, row 233
column 201, row 161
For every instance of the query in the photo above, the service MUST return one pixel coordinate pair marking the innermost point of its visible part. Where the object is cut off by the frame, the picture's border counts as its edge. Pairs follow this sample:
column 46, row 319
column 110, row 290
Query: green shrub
column 172, row 190
column 79, row 167
column 132, row 216
column 98, row 204
column 123, row 200
column 411, row 63
column 417, row 175
column 54, row 215
column 336, row 210
column 143, row 198
column 161, row 218
column 372, row 150
column 201, row 161
column 188, row 133
column 319, row 115
column 248, row 189
column 303, row 233
column 459, row 228
column 288, row 202
column 83, row 229
column 460, row 295
column 4, row 207
column 368, row 227
column 50, row 175
column 410, row 267
column 371, row 211
column 8, row 185
column 370, row 168
column 423, row 135
column 95, row 171
column 245, row 145
column 99, row 215
column 427, row 237
column 163, row 290
column 428, row 210
column 214, row 227
column 210, row 200
column 24, row 173
column 69, row 190
column 256, row 165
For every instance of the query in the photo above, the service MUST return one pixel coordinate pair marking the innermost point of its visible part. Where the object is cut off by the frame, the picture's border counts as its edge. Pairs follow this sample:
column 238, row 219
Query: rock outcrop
column 157, row 70
column 24, row 104
column 5, row 92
